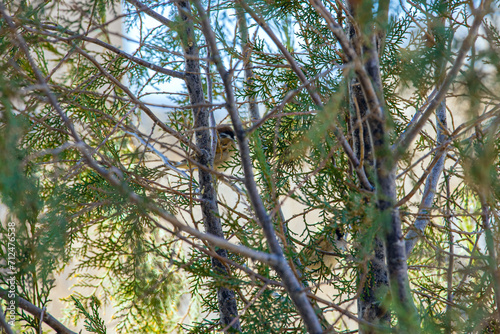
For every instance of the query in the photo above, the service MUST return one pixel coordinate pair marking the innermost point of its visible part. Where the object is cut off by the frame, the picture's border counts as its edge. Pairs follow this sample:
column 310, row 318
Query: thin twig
column 74, row 35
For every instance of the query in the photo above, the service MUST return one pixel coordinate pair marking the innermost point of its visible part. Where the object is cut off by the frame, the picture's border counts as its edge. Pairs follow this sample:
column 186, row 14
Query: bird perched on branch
column 224, row 149
column 324, row 250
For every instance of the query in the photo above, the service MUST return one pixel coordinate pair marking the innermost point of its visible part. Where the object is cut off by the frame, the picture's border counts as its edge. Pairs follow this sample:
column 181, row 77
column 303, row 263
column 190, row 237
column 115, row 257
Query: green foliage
column 69, row 214
column 93, row 322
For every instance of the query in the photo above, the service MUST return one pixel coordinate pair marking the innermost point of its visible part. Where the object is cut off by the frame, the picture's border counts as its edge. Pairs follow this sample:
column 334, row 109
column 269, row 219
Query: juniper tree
column 363, row 196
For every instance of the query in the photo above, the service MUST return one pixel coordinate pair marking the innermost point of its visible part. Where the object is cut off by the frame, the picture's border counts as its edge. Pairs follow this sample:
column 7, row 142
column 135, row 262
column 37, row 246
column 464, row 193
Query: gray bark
column 374, row 280
column 226, row 297
column 247, row 62
column 386, row 199
column 421, row 222
column 371, row 144
column 296, row 290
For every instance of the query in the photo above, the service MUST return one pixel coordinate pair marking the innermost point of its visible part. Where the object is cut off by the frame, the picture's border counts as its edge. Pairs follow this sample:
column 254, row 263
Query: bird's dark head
column 226, row 131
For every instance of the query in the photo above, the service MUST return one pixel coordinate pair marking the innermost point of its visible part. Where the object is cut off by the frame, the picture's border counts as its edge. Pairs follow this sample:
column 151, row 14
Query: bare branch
column 420, row 224
column 294, row 288
column 407, row 137
column 3, row 323
column 76, row 36
column 34, row 310
column 145, row 9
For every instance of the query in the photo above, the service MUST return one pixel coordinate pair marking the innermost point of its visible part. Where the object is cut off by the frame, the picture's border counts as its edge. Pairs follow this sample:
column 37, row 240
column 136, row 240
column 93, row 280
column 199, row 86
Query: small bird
column 324, row 251
column 223, row 152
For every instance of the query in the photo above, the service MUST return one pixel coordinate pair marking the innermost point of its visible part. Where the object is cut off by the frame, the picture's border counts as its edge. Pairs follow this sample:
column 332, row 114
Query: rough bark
column 395, row 250
column 374, row 276
column 370, row 136
column 226, row 297
column 386, row 199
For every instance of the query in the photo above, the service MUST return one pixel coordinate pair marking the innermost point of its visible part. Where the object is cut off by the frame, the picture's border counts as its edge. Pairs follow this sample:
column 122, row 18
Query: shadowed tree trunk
column 370, row 135
column 373, row 277
column 226, row 297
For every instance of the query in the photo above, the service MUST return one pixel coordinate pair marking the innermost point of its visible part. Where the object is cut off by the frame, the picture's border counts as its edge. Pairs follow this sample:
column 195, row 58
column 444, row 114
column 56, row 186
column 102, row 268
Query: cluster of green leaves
column 293, row 149
column 36, row 254
column 65, row 210
column 93, row 321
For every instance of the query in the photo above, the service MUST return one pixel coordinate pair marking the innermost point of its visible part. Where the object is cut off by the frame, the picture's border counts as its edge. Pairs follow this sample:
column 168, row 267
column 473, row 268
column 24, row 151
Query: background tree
column 346, row 164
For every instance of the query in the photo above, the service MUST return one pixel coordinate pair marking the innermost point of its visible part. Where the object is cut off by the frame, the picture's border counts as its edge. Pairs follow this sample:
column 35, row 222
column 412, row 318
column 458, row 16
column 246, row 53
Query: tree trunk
column 387, row 266
column 226, row 297
column 374, row 279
